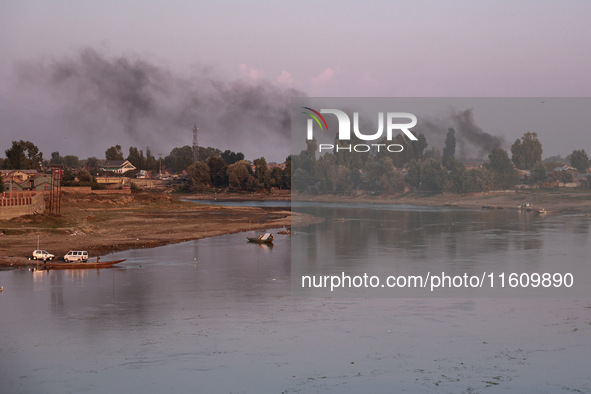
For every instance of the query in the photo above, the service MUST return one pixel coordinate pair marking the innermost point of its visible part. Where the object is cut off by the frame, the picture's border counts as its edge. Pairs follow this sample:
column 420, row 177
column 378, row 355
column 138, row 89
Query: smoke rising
column 471, row 140
column 92, row 99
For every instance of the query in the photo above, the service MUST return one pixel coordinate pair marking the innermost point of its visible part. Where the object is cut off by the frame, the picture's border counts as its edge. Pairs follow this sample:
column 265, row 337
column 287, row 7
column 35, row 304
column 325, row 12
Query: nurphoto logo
column 396, row 122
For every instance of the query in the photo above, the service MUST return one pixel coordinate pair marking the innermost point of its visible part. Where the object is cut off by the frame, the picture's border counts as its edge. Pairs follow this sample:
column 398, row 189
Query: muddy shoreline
column 102, row 224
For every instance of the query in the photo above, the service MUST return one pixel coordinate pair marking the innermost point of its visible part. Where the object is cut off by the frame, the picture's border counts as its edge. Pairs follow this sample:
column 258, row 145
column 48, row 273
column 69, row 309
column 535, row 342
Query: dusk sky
column 58, row 62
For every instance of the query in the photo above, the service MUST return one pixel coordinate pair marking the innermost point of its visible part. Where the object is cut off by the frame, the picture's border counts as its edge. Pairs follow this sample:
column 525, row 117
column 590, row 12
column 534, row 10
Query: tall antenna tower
column 195, row 144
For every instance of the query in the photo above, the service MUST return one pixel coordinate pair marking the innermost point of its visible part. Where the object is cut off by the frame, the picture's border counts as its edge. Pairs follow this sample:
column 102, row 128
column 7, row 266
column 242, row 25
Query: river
column 220, row 315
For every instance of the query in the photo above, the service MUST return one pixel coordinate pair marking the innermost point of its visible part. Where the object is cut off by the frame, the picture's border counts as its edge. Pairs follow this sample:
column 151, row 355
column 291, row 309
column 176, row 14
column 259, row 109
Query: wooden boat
column 262, row 239
column 88, row 264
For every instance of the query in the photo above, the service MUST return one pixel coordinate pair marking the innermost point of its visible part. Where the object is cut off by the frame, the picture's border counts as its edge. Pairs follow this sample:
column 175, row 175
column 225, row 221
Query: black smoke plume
column 91, row 98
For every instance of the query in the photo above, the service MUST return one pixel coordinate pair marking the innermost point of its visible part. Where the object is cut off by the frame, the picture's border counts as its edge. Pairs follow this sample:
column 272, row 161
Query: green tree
column 579, row 160
column 232, row 157
column 456, row 176
column 432, row 176
column 538, row 173
column 261, row 172
column 287, row 173
column 114, row 153
column 326, row 170
column 23, row 155
column 240, row 176
column 450, row 146
column 84, row 178
column 71, row 161
column 2, row 186
column 179, row 159
column 92, row 162
column 218, row 170
column 136, row 158
column 151, row 163
column 527, row 151
column 505, row 174
column 276, row 178
column 56, row 159
column 414, row 174
column 382, row 177
column 199, row 176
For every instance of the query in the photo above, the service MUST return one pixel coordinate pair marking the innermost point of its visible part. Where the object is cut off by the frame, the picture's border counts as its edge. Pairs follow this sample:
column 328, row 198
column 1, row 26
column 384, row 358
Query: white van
column 76, row 256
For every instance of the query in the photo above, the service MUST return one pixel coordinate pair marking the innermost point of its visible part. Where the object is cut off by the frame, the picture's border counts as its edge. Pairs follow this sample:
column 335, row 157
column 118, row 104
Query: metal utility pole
column 55, row 197
column 195, row 144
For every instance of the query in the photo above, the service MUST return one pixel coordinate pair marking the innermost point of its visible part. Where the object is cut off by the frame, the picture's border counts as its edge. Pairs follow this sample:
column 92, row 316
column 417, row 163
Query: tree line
column 423, row 170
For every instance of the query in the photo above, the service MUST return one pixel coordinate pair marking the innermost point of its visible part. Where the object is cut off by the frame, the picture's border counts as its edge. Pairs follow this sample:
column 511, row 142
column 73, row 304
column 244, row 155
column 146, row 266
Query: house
column 118, row 166
column 17, row 175
column 21, row 180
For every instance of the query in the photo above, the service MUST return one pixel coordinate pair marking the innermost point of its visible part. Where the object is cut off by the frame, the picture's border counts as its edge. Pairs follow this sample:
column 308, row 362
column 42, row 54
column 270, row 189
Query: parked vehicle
column 76, row 256
column 42, row 255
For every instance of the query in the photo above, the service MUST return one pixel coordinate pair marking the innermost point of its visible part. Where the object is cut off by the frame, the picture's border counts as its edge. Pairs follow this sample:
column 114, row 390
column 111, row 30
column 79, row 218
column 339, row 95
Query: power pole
column 55, row 196
column 195, row 144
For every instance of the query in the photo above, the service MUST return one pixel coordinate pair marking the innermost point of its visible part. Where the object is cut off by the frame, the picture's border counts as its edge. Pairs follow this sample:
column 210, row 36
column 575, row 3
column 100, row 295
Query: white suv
column 42, row 254
column 76, row 256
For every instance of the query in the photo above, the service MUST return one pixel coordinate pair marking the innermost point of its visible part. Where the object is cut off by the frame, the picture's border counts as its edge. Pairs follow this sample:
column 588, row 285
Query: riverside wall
column 22, row 203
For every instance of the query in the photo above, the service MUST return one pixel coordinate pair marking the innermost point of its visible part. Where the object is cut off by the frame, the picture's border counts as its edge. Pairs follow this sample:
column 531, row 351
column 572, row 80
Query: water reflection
column 383, row 240
column 217, row 315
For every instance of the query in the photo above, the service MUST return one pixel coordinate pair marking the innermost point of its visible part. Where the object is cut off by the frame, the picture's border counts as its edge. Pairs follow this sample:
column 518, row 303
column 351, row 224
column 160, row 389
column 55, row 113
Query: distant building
column 118, row 166
column 22, row 180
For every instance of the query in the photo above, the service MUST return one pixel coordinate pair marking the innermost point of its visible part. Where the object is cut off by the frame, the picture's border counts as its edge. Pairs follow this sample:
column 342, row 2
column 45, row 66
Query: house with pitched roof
column 118, row 166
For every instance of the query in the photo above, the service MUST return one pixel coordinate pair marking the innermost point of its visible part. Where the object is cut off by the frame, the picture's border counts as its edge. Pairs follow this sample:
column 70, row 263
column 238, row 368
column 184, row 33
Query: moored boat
column 267, row 238
column 89, row 264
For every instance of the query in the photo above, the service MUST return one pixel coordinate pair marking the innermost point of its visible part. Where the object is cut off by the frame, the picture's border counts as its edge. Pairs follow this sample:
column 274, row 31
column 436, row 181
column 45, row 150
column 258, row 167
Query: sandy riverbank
column 102, row 224
column 554, row 202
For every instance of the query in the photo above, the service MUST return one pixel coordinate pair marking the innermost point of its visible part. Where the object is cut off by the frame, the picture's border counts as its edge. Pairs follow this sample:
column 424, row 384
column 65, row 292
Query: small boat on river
column 262, row 239
column 86, row 265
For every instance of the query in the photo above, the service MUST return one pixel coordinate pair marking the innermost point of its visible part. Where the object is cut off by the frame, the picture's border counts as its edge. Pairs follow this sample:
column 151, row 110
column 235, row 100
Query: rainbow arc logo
column 316, row 116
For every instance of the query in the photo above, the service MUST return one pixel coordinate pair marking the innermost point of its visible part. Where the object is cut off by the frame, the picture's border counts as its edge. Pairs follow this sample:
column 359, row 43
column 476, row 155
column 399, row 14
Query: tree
column 239, row 176
column 2, row 186
column 114, row 153
column 538, row 173
column 579, row 160
column 151, row 163
column 218, row 170
column 84, row 177
column 527, row 151
column 71, row 161
column 232, row 157
column 432, row 176
column 23, row 155
column 287, row 173
column 179, row 159
column 199, row 177
column 56, row 159
column 456, row 176
column 381, row 176
column 92, row 162
column 261, row 172
column 504, row 173
column 450, row 146
column 136, row 157
column 276, row 178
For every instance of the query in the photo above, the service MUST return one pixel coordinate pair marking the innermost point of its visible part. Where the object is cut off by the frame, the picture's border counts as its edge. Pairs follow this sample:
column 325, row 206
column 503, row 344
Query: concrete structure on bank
column 21, row 203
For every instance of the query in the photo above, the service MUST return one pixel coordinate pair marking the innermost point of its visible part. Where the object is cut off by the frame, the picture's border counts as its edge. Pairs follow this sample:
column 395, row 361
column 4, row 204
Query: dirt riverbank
column 553, row 201
column 102, row 224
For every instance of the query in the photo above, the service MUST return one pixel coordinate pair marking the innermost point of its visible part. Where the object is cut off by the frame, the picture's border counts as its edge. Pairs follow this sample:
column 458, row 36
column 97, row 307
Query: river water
column 220, row 315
